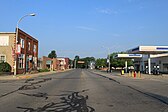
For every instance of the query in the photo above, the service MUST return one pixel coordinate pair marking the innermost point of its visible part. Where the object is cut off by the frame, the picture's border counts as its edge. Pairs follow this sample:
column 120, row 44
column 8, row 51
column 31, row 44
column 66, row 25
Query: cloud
column 86, row 28
column 107, row 11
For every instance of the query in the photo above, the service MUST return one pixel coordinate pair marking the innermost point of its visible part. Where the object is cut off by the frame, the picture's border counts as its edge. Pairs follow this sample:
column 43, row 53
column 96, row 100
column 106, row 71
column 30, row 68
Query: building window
column 34, row 48
column 22, row 42
column 2, row 58
column 4, row 40
column 21, row 61
column 29, row 46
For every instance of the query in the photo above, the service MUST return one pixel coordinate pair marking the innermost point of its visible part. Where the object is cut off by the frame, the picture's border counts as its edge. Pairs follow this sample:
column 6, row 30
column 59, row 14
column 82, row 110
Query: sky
column 88, row 27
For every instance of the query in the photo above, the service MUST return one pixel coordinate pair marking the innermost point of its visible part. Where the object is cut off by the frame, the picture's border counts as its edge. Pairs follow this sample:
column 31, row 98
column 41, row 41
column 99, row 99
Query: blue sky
column 83, row 27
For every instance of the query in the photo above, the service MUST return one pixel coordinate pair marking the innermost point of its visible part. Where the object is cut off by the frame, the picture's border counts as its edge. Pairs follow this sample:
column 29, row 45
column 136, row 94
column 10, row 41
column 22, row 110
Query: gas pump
column 146, row 70
column 154, row 70
column 157, row 70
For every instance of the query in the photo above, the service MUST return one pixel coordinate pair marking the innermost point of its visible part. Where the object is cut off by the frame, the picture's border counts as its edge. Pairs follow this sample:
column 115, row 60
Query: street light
column 108, row 60
column 17, row 28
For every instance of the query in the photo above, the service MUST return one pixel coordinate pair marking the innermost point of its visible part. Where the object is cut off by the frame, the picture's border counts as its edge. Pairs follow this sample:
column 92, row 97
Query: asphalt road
column 75, row 91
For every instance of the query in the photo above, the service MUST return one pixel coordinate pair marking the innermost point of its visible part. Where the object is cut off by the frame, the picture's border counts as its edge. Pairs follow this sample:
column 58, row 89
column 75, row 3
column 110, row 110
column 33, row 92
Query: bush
column 5, row 67
column 43, row 70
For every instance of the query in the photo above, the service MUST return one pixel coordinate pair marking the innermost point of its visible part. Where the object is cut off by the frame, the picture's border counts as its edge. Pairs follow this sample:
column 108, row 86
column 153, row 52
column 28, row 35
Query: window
column 29, row 46
column 2, row 58
column 4, row 40
column 34, row 49
column 22, row 42
column 21, row 61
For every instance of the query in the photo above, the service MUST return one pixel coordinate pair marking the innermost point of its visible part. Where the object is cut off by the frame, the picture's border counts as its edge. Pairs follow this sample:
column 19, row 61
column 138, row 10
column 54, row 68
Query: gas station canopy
column 128, row 56
column 149, row 50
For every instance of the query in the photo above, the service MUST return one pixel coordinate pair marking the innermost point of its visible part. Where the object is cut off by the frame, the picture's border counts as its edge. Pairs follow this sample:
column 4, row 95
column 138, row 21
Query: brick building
column 59, row 63
column 27, row 58
column 62, row 63
column 47, row 63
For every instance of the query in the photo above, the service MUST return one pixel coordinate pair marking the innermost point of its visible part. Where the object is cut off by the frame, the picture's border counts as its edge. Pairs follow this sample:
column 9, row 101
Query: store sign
column 18, row 49
column 81, row 62
column 48, row 62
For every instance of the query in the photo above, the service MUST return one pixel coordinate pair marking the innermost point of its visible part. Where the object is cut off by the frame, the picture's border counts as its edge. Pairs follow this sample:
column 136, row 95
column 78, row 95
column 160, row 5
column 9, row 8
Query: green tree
column 77, row 57
column 101, row 62
column 5, row 67
column 119, row 62
column 52, row 54
column 76, row 61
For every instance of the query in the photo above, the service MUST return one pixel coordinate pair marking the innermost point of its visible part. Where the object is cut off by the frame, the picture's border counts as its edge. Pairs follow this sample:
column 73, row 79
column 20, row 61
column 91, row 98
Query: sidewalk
column 27, row 76
column 138, row 76
column 161, row 78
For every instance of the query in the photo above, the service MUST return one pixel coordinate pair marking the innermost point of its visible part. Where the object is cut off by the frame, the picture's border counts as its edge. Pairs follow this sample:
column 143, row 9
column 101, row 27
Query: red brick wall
column 27, row 38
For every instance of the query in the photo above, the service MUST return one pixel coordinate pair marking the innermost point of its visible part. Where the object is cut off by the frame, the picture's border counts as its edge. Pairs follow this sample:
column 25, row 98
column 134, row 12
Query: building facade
column 55, row 64
column 27, row 57
column 159, row 61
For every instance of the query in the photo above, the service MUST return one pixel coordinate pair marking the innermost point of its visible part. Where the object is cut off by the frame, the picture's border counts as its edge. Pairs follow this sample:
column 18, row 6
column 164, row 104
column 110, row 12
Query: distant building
column 62, row 63
column 26, row 59
column 59, row 63
column 45, row 63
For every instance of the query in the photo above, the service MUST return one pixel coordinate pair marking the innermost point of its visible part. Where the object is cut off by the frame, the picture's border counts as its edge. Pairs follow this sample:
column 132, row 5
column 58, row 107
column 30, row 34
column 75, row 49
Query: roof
column 149, row 50
column 159, row 55
column 7, row 32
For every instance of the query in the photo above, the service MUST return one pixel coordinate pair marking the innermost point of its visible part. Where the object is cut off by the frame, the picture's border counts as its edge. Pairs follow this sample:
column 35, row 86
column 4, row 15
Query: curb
column 28, row 76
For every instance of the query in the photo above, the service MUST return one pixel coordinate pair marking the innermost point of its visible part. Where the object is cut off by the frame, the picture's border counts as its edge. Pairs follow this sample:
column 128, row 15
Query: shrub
column 43, row 70
column 5, row 67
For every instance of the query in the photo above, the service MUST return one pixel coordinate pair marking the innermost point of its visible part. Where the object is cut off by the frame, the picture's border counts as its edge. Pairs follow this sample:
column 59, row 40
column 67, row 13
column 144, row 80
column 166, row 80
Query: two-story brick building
column 27, row 58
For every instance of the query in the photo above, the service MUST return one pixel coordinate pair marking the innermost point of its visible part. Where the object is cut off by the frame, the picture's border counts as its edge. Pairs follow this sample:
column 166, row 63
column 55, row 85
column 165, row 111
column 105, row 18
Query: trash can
column 122, row 72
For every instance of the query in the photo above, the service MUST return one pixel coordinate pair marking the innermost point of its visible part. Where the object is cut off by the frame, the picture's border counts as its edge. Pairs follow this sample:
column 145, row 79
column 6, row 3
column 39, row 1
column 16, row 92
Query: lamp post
column 108, row 60
column 17, row 28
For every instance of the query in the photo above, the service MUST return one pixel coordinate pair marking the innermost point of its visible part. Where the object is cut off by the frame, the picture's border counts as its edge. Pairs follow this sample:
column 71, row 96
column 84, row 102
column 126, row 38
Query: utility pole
column 108, row 58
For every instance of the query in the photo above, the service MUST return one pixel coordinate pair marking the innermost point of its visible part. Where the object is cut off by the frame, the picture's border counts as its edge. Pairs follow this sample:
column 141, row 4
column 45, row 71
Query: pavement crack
column 72, row 102
column 41, row 95
column 31, row 85
column 106, row 77
column 8, row 93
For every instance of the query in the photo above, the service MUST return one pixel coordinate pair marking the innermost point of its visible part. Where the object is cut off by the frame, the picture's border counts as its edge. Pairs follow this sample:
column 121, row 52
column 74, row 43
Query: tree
column 5, row 67
column 52, row 54
column 119, row 62
column 77, row 57
column 75, row 61
column 101, row 62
